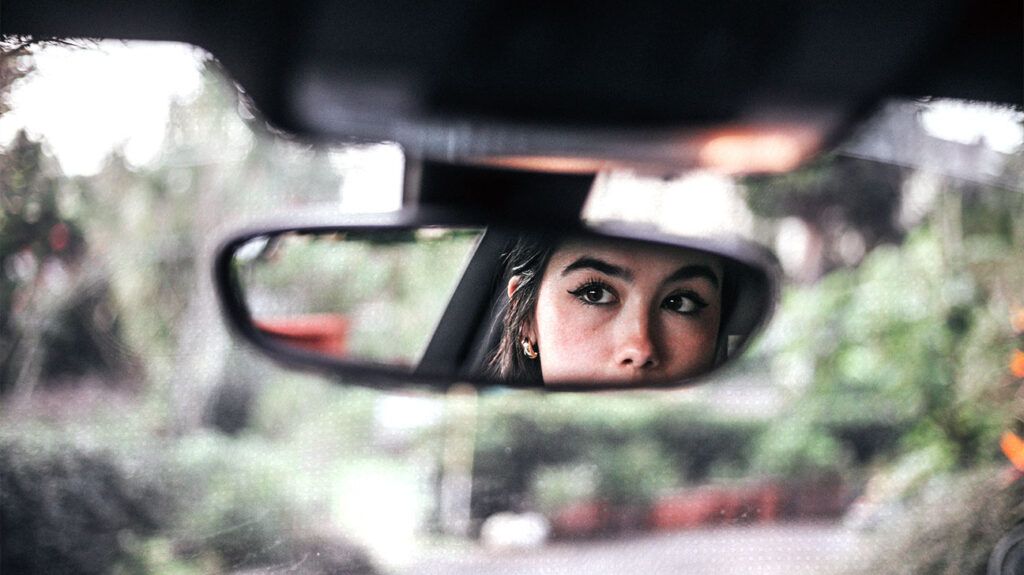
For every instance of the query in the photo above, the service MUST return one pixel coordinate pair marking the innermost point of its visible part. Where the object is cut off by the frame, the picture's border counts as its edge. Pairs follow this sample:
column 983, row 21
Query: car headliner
column 570, row 64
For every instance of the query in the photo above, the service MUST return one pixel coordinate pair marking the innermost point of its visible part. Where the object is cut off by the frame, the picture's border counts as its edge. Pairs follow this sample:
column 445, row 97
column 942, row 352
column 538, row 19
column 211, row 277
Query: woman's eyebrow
column 693, row 271
column 588, row 262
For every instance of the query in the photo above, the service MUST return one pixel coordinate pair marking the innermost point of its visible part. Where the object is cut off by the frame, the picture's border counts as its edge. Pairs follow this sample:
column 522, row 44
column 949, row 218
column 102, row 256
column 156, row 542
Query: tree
column 56, row 312
column 839, row 199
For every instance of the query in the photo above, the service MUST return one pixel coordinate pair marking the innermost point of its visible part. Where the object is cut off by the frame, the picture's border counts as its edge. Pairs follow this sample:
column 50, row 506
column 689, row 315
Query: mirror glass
column 503, row 306
column 373, row 297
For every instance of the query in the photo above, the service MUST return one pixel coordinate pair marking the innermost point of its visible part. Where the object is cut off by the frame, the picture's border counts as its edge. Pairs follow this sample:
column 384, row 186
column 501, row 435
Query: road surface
column 791, row 549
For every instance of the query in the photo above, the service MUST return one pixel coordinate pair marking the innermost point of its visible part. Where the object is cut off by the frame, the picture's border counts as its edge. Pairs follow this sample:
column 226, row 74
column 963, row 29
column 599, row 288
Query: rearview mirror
column 588, row 308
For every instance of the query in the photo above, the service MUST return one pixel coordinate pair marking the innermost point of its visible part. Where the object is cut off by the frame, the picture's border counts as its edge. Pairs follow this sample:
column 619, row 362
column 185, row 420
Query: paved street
column 762, row 550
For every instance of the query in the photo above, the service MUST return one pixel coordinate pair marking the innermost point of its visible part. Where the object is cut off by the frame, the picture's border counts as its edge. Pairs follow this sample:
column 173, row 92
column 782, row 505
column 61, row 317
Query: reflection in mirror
column 604, row 310
column 366, row 296
column 505, row 306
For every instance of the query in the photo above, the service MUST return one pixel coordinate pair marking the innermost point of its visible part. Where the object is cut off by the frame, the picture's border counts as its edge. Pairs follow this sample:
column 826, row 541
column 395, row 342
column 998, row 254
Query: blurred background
column 871, row 429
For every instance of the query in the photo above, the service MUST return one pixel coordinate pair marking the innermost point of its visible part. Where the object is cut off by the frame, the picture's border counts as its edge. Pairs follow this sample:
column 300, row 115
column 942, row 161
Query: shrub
column 64, row 510
column 952, row 528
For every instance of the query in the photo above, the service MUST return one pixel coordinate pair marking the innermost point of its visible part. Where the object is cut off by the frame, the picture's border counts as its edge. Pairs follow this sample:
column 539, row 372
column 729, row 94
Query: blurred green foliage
column 556, row 487
column 911, row 335
column 798, row 447
column 634, row 473
column 623, row 449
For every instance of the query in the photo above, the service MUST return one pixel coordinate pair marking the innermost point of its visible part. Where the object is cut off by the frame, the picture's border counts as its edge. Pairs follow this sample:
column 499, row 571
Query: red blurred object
column 59, row 237
column 321, row 333
column 705, row 505
column 584, row 519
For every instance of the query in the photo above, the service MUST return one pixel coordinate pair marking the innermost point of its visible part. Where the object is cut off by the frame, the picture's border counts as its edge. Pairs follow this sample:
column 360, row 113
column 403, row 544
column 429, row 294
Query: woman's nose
column 636, row 349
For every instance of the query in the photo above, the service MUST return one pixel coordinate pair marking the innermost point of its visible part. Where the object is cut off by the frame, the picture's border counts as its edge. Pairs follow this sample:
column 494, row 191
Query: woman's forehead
column 633, row 256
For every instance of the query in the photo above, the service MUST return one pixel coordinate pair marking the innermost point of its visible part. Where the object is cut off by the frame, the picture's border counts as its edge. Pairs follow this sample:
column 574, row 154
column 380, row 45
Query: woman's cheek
column 569, row 338
column 569, row 325
column 709, row 337
column 696, row 340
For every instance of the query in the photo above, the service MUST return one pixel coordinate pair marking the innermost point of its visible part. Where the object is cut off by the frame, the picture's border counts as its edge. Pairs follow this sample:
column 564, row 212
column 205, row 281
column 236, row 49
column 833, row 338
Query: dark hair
column 526, row 260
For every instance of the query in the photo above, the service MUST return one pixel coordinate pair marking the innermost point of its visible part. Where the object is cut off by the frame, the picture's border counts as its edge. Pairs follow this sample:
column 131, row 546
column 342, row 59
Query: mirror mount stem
column 498, row 196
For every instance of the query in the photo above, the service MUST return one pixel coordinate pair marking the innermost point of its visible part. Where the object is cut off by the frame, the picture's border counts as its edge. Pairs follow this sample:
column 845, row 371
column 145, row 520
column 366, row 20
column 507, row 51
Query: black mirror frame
column 754, row 259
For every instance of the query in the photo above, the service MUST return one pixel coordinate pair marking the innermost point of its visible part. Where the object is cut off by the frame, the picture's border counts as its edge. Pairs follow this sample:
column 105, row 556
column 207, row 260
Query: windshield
column 873, row 420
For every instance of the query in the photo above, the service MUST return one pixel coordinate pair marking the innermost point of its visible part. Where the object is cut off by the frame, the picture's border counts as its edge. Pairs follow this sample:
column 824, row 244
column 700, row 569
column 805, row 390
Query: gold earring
column 528, row 350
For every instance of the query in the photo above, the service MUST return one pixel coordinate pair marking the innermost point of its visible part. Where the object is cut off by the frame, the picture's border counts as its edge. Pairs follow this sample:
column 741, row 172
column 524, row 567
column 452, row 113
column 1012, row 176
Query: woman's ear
column 526, row 329
column 513, row 285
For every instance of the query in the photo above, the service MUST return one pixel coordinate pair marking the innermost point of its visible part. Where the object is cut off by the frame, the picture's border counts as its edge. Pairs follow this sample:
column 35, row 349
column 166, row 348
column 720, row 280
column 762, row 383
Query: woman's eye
column 594, row 294
column 683, row 303
column 597, row 295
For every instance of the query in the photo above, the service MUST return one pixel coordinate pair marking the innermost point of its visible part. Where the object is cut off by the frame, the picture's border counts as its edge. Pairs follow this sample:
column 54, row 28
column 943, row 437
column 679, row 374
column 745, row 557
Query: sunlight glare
column 87, row 102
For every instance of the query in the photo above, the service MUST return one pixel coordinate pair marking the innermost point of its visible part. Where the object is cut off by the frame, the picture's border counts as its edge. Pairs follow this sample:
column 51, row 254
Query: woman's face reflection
column 613, row 312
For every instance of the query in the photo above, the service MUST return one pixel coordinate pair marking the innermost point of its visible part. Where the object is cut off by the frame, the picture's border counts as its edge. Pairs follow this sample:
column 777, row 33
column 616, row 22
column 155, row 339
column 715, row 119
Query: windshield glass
column 874, row 419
